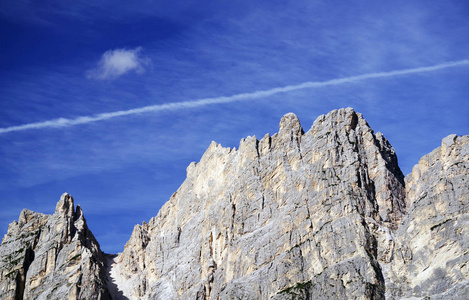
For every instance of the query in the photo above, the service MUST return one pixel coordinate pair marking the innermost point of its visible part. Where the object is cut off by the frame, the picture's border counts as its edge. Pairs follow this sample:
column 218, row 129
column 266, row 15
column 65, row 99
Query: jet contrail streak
column 63, row 122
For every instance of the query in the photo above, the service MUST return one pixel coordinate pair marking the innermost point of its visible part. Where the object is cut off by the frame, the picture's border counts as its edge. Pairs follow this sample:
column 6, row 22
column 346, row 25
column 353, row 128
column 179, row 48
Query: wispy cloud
column 117, row 62
column 63, row 122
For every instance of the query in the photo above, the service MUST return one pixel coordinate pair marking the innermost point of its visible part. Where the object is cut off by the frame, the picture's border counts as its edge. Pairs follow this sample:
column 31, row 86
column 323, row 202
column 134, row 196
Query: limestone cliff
column 293, row 215
column 432, row 243
column 52, row 257
column 321, row 214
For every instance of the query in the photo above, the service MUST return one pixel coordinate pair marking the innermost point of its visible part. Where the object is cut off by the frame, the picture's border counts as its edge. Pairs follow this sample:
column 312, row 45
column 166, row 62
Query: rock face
column 52, row 257
column 322, row 214
column 293, row 216
column 432, row 243
column 289, row 214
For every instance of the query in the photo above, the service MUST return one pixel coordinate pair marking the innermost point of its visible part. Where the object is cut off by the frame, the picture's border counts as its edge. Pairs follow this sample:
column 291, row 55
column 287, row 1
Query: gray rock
column 322, row 214
column 291, row 213
column 52, row 257
column 431, row 252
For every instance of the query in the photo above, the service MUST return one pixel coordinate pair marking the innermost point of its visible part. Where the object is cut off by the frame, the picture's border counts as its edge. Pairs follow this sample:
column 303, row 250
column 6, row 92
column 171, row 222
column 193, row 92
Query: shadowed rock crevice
column 114, row 291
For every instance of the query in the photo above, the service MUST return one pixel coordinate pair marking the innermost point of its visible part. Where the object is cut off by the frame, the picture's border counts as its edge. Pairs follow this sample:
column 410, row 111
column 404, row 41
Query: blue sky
column 111, row 100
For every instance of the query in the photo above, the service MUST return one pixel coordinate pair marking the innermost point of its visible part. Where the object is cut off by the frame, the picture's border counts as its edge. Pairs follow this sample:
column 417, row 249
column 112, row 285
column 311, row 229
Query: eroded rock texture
column 432, row 244
column 322, row 214
column 52, row 257
column 293, row 215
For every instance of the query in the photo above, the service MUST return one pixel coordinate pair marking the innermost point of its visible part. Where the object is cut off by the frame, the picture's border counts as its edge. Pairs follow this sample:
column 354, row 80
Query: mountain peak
column 290, row 127
column 65, row 206
column 49, row 256
column 322, row 214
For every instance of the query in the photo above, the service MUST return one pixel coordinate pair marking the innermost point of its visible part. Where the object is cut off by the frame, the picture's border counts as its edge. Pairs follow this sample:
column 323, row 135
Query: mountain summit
column 321, row 214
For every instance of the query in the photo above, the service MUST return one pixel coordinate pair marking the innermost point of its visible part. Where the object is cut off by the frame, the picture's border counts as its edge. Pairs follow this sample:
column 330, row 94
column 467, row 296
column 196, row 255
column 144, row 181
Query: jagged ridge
column 53, row 256
column 298, row 215
column 291, row 208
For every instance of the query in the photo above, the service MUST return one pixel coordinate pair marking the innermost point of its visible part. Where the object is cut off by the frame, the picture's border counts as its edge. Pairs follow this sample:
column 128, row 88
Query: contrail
column 63, row 122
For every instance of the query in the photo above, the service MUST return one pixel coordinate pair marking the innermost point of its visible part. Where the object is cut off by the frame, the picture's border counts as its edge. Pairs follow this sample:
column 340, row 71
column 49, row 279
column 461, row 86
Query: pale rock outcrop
column 292, row 215
column 52, row 257
column 431, row 257
column 322, row 214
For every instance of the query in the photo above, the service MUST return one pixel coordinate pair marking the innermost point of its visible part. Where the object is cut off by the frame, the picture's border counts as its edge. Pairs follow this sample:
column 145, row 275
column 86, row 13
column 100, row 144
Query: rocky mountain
column 52, row 257
column 431, row 245
column 322, row 214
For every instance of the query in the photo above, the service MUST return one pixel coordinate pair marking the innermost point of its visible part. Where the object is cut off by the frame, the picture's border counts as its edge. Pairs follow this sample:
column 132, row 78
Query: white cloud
column 117, row 62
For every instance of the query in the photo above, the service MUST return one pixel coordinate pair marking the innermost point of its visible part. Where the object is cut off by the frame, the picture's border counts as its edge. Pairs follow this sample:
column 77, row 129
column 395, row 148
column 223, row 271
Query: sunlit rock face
column 319, row 214
column 52, row 257
column 431, row 256
column 296, row 214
